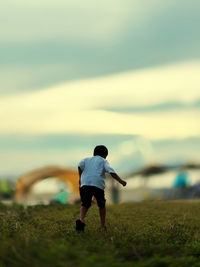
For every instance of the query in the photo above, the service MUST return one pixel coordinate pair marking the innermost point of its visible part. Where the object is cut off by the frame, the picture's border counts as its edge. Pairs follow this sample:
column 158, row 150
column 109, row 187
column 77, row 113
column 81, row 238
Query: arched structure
column 25, row 182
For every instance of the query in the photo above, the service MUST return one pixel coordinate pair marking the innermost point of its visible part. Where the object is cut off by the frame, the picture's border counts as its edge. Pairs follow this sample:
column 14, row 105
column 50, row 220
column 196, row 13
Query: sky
column 75, row 74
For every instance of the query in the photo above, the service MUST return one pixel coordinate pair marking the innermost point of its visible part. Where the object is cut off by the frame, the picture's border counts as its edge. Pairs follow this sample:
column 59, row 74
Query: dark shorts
column 87, row 192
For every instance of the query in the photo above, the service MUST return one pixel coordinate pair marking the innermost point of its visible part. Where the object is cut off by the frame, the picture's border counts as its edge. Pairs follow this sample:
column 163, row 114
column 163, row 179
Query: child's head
column 101, row 151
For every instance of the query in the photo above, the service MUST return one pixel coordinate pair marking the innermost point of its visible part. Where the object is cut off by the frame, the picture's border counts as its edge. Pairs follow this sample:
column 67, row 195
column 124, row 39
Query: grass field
column 139, row 234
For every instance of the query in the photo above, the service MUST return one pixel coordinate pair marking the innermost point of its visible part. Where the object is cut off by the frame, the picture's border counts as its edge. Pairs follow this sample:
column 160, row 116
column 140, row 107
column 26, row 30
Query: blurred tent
column 159, row 169
column 163, row 182
column 25, row 182
column 146, row 172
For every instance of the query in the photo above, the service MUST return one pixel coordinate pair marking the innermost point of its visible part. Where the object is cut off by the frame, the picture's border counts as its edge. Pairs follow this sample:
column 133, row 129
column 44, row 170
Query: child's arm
column 116, row 177
column 79, row 172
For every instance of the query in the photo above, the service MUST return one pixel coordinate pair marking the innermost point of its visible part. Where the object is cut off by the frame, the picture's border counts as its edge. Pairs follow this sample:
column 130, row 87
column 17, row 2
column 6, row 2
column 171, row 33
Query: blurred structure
column 114, row 191
column 6, row 189
column 61, row 198
column 195, row 191
column 163, row 182
column 181, row 180
column 25, row 182
column 150, row 183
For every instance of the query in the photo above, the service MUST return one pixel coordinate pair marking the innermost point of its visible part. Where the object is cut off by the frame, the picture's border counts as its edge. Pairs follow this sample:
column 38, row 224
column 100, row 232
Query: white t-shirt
column 94, row 170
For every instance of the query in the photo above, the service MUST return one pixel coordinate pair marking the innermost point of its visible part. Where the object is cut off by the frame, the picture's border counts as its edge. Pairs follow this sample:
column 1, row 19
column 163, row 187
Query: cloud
column 75, row 107
column 87, row 21
column 167, row 106
column 17, row 162
column 22, row 78
column 75, row 20
column 89, row 38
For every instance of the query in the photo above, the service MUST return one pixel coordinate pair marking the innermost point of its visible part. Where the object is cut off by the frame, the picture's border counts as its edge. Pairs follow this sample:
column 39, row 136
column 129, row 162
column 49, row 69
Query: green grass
column 139, row 234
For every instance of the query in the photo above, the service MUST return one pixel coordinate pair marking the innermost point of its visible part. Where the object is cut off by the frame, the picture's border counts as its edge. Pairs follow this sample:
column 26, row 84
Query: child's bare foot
column 103, row 228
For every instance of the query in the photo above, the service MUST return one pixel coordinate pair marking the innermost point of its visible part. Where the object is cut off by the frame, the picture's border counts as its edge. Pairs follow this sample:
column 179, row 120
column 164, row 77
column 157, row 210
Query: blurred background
column 76, row 74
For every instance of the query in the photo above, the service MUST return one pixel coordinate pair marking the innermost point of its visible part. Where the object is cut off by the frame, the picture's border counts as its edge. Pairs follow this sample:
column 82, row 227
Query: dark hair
column 101, row 151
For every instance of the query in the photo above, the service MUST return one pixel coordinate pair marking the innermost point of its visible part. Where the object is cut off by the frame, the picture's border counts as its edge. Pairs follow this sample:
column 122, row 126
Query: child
column 92, row 183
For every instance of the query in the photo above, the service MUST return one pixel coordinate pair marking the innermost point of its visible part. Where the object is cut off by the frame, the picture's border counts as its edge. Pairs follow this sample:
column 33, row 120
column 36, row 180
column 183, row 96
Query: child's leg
column 102, row 213
column 83, row 211
column 100, row 197
column 86, row 197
